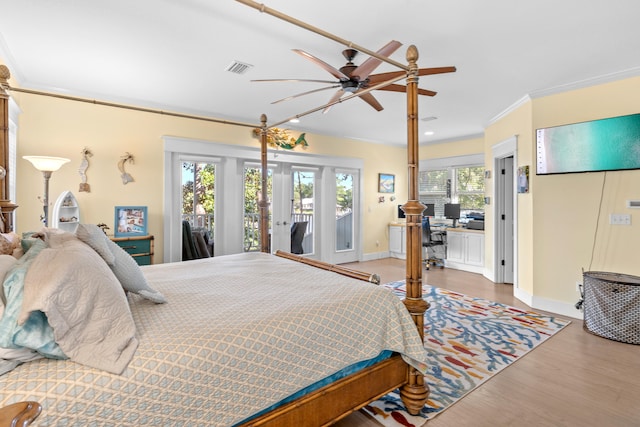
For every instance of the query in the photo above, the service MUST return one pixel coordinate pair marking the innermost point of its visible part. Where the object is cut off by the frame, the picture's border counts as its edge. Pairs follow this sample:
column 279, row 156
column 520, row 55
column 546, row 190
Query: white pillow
column 130, row 276
column 122, row 264
column 93, row 236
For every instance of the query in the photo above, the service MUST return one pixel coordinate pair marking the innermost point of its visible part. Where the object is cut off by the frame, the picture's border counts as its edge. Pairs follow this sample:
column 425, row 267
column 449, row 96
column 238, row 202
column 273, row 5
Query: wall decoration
column 523, row 179
column 130, row 221
column 82, row 170
column 280, row 138
column 386, row 183
column 126, row 178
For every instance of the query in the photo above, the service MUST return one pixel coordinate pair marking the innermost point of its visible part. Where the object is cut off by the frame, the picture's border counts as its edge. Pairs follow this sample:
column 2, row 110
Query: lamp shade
column 46, row 164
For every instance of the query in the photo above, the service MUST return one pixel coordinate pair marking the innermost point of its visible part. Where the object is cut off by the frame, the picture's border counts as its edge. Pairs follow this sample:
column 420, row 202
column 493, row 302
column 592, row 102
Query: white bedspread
column 239, row 333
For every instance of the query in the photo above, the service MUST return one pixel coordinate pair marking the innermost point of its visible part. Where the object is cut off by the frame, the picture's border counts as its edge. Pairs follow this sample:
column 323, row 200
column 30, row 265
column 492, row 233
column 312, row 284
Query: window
column 455, row 183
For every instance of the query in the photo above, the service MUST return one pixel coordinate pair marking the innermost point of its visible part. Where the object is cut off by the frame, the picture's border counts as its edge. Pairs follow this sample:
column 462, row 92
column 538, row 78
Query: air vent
column 238, row 67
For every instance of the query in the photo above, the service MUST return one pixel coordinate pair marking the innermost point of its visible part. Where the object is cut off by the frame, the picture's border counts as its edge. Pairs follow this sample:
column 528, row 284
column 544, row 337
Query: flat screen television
column 430, row 210
column 452, row 210
column 593, row 146
column 400, row 212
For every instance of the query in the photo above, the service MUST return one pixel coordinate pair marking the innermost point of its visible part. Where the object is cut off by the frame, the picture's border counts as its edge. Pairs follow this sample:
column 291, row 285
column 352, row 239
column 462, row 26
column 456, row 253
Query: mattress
column 238, row 334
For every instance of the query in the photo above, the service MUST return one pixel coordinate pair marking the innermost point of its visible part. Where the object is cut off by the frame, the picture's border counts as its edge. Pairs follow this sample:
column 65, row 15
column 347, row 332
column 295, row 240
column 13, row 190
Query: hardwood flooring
column 573, row 379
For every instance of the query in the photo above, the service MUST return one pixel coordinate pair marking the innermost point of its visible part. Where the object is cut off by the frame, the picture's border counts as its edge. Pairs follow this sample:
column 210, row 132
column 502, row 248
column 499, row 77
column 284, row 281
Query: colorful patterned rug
column 468, row 340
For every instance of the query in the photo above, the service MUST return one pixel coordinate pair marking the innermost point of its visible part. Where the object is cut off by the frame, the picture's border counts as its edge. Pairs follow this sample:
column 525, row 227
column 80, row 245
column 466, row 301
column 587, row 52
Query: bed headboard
column 6, row 206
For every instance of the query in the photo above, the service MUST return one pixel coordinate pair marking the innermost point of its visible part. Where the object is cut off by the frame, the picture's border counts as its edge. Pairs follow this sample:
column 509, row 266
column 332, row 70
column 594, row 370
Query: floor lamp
column 46, row 165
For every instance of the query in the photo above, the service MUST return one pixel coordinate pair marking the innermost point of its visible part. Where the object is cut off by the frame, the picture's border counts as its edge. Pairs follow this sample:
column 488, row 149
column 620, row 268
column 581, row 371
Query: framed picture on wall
column 130, row 221
column 386, row 183
column 523, row 179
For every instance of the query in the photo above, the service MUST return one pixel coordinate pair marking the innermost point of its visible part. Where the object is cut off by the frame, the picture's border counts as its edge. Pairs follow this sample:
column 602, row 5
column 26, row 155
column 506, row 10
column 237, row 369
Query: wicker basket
column 612, row 306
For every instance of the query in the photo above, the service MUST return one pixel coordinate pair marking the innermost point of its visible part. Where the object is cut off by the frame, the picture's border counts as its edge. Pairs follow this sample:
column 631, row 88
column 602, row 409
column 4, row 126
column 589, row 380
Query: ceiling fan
column 355, row 78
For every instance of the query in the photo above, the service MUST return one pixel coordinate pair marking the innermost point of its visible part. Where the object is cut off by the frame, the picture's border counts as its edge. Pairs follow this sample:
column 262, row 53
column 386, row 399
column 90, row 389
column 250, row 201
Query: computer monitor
column 430, row 210
column 400, row 212
column 452, row 211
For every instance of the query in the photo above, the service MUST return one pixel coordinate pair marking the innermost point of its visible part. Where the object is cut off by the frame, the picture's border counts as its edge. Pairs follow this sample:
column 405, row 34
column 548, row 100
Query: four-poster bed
column 323, row 405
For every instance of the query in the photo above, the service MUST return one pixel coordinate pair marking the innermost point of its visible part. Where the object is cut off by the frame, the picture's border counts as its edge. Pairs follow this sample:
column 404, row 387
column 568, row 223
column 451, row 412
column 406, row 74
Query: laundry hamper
column 612, row 306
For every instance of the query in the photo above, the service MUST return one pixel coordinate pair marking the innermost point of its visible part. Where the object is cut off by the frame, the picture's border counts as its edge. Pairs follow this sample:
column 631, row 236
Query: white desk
column 465, row 249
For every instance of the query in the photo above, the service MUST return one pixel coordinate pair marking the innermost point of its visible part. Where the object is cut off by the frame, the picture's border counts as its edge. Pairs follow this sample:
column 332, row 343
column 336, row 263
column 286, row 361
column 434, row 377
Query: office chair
column 297, row 235
column 434, row 242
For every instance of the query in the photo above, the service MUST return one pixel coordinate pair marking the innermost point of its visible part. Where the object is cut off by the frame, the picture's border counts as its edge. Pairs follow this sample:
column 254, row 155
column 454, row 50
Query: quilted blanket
column 239, row 333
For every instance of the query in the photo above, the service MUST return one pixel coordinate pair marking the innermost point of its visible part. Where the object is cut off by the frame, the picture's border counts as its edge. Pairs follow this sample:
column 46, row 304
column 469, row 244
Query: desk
column 397, row 240
column 465, row 249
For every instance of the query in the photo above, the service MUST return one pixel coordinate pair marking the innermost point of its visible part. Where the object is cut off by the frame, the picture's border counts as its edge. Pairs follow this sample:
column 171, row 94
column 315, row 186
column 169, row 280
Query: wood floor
column 573, row 379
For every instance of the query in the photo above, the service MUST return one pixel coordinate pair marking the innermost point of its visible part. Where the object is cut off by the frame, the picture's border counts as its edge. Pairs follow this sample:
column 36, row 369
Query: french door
column 293, row 207
column 316, row 194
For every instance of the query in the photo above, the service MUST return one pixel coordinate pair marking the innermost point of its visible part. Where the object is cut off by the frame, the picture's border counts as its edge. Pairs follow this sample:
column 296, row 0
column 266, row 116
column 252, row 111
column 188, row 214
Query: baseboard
column 553, row 306
column 375, row 255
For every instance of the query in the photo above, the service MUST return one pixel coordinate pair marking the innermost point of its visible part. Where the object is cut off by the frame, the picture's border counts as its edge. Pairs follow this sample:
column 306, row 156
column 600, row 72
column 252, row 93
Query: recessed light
column 428, row 119
column 429, row 132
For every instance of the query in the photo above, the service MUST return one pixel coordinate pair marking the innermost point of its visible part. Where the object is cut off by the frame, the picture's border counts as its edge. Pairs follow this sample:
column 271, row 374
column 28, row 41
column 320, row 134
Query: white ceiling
column 172, row 55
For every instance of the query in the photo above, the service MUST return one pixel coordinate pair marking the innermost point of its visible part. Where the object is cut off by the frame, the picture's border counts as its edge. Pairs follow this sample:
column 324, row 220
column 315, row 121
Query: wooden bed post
column 6, row 207
column 263, row 203
column 414, row 394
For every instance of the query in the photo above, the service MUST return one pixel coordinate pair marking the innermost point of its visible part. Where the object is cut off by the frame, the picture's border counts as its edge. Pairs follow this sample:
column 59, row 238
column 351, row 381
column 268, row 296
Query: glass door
column 251, row 217
column 345, row 216
column 303, row 210
column 198, row 184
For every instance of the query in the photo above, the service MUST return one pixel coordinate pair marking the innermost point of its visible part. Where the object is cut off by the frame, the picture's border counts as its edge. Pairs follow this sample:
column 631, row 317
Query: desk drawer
column 135, row 246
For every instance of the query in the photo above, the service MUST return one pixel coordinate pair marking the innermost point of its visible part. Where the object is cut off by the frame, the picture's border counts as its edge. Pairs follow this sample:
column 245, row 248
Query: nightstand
column 139, row 247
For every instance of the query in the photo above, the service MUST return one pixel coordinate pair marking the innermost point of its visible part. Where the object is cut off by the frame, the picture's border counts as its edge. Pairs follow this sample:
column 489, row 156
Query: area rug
column 468, row 340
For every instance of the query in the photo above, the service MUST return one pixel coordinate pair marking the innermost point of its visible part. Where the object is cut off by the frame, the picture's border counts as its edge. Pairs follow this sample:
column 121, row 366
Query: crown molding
column 580, row 84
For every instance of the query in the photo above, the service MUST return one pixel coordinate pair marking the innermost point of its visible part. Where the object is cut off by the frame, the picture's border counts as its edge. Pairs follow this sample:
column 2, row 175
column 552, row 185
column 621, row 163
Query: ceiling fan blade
column 364, row 69
column 305, row 93
column 333, row 71
column 369, row 99
column 333, row 99
column 400, row 88
column 295, row 80
column 378, row 78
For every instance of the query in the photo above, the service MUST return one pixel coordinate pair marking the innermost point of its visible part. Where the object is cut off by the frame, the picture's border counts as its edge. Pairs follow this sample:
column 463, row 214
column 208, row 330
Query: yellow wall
column 56, row 127
column 462, row 147
column 516, row 123
column 563, row 223
column 571, row 212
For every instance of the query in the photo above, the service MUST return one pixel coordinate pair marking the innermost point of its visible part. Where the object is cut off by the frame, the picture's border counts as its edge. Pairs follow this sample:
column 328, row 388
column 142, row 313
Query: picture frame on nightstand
column 130, row 221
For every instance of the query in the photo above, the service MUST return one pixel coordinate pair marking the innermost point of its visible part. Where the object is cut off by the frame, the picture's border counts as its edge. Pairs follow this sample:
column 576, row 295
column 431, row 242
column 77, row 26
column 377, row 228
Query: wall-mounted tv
column 597, row 145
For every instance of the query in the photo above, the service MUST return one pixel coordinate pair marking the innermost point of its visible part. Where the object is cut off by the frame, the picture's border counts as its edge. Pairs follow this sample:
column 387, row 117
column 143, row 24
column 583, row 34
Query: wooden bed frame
column 337, row 400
